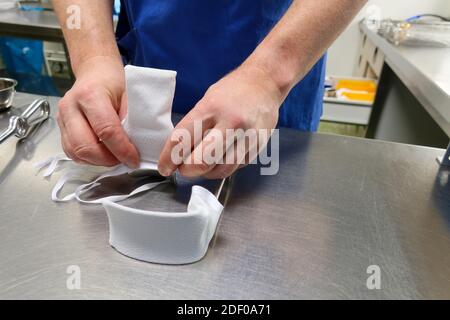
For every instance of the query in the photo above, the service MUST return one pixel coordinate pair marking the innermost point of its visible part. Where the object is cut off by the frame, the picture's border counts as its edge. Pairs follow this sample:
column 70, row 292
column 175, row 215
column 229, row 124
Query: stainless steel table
column 337, row 206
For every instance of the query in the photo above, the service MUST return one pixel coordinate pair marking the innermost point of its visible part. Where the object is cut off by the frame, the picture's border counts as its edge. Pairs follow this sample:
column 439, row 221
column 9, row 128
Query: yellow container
column 357, row 85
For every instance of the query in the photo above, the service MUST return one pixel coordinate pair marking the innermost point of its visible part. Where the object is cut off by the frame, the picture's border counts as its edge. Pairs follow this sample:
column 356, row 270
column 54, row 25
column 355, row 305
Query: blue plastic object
column 21, row 55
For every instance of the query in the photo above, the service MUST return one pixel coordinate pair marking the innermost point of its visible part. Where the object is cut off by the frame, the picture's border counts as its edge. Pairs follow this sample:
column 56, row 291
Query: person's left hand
column 247, row 98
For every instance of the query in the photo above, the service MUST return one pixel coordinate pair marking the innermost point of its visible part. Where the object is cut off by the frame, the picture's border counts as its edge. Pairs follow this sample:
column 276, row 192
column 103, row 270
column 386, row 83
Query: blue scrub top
column 203, row 40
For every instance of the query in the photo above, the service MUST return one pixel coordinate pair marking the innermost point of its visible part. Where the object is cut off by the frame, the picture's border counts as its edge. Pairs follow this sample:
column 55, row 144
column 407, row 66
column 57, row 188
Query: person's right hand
column 90, row 115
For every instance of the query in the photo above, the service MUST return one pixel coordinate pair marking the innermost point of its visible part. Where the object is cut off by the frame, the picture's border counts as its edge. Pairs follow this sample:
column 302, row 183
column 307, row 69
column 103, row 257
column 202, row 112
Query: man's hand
column 90, row 115
column 245, row 99
column 250, row 96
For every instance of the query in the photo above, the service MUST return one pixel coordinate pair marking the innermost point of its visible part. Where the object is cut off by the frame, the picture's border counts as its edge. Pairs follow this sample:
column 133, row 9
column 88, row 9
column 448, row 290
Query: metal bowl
column 7, row 91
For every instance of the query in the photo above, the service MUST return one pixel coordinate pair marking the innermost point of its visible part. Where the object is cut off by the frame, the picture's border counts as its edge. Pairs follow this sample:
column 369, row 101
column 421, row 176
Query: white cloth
column 160, row 237
column 165, row 237
column 148, row 123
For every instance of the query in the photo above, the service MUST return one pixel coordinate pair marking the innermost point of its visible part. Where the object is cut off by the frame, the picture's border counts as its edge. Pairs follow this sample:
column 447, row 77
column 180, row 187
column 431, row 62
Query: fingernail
column 165, row 172
column 133, row 164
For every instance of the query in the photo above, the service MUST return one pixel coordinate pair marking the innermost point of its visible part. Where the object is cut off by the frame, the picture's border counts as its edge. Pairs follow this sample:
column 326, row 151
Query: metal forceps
column 21, row 126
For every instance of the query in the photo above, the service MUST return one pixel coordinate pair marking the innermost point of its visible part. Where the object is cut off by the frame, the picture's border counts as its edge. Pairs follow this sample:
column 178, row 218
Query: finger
column 208, row 153
column 65, row 143
column 235, row 158
column 82, row 143
column 186, row 135
column 106, row 125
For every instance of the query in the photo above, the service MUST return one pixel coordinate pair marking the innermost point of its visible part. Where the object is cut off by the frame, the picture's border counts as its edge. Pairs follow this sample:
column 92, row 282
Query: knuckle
column 86, row 96
column 237, row 121
column 107, row 131
column 63, row 104
column 84, row 90
column 210, row 101
column 83, row 151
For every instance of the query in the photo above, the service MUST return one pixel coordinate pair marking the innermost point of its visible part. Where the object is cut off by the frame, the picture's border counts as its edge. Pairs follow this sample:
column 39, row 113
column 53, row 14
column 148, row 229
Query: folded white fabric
column 165, row 237
column 148, row 122
column 160, row 237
